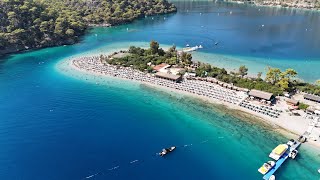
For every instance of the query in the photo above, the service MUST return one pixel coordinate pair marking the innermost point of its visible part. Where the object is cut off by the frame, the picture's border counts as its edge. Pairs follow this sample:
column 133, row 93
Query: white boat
column 318, row 170
column 291, row 142
column 293, row 154
column 167, row 150
column 273, row 177
column 200, row 47
column 266, row 167
column 278, row 151
column 187, row 45
column 189, row 49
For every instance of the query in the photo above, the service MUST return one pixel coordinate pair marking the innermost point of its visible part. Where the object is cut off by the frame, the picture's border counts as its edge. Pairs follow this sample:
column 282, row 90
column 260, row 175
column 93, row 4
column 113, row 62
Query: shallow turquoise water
column 61, row 125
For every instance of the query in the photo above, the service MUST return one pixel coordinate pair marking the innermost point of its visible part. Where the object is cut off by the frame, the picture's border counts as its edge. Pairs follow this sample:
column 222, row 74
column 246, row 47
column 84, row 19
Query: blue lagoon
column 59, row 124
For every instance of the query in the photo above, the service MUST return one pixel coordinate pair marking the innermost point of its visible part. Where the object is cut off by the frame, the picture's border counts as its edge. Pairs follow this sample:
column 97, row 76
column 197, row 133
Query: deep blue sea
column 59, row 125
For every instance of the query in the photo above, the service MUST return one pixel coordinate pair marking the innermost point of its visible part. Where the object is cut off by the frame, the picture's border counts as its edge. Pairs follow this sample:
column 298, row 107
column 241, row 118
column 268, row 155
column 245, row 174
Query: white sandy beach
column 293, row 125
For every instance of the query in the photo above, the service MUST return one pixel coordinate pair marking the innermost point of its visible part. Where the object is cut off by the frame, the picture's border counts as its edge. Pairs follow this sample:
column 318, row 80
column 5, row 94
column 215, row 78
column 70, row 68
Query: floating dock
column 283, row 158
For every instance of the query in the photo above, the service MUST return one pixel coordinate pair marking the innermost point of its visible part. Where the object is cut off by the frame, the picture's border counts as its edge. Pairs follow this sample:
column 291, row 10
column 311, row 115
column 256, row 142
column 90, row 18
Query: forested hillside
column 26, row 24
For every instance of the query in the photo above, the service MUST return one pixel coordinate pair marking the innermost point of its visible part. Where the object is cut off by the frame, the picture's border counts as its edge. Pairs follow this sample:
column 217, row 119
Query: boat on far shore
column 189, row 49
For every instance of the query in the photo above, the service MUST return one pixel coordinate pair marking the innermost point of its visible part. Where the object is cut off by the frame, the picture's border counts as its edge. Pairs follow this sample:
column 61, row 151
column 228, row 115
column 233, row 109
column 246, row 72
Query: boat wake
column 136, row 160
column 186, row 145
column 114, row 168
column 91, row 176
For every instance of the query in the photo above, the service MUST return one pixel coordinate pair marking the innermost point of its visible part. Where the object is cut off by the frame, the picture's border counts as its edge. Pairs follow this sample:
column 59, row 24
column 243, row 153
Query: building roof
column 160, row 66
column 168, row 76
column 261, row 94
column 292, row 101
column 312, row 97
column 311, row 108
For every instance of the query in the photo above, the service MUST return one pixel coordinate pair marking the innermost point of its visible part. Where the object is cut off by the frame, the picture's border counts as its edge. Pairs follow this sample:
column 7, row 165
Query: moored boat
column 273, row 177
column 167, row 150
column 293, row 154
column 266, row 167
column 291, row 142
column 278, row 151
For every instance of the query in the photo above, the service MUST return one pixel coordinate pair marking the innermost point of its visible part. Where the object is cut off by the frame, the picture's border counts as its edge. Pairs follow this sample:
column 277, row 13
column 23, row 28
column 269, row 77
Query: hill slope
column 26, row 24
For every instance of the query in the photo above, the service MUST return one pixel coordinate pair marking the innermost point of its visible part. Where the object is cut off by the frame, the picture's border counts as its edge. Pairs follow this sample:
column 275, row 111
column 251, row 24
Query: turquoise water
column 57, row 124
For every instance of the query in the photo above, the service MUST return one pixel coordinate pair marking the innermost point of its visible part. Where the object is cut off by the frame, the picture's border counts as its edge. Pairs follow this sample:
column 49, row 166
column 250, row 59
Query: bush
column 303, row 106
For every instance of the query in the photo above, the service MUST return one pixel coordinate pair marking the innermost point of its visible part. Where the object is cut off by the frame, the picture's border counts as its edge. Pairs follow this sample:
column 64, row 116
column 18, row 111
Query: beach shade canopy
column 171, row 77
column 292, row 102
column 312, row 97
column 311, row 109
column 261, row 94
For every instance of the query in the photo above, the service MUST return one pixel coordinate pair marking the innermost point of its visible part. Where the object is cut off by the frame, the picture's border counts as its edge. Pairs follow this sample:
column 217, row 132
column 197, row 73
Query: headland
column 281, row 112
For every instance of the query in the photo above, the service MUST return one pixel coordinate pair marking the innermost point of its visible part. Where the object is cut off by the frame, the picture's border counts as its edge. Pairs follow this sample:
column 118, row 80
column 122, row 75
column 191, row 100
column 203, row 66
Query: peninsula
column 278, row 99
column 31, row 24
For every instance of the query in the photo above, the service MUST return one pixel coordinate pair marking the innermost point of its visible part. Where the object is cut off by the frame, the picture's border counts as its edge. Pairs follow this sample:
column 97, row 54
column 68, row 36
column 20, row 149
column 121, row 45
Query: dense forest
column 26, row 24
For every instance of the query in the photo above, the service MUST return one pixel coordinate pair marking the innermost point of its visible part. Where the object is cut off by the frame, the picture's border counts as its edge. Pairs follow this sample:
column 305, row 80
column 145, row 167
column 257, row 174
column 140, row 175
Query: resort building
column 171, row 77
column 188, row 74
column 312, row 97
column 313, row 110
column 161, row 67
column 261, row 95
column 292, row 102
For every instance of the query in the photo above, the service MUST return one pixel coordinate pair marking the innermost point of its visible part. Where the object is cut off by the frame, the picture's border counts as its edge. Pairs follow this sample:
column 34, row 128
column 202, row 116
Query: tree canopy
column 28, row 24
column 139, row 58
column 243, row 70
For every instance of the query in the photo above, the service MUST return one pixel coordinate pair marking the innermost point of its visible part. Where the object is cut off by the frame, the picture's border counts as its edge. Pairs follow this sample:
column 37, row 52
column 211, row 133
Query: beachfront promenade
column 215, row 92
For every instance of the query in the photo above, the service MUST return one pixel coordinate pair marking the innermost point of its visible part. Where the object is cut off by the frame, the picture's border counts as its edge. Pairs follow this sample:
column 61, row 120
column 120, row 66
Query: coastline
column 275, row 5
column 280, row 125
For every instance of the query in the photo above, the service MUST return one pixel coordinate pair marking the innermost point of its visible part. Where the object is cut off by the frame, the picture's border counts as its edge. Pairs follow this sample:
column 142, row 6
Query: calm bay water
column 61, row 126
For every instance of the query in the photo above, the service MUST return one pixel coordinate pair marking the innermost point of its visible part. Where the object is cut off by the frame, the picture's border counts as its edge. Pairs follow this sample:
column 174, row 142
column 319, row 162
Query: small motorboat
column 319, row 171
column 293, row 154
column 273, row 177
column 216, row 43
column 302, row 139
column 266, row 167
column 200, row 47
column 291, row 142
column 167, row 151
column 187, row 45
